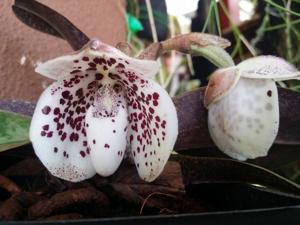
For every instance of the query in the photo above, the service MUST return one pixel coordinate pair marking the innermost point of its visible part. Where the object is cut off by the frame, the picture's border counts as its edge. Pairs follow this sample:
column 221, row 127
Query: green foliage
column 216, row 55
column 14, row 129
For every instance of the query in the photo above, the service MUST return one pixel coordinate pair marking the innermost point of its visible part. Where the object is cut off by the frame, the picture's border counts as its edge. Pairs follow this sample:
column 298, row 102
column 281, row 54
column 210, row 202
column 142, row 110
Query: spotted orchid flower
column 243, row 109
column 104, row 105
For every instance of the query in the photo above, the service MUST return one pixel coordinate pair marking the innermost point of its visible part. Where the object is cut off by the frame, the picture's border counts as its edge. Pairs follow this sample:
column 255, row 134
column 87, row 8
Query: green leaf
column 14, row 130
column 216, row 55
column 133, row 23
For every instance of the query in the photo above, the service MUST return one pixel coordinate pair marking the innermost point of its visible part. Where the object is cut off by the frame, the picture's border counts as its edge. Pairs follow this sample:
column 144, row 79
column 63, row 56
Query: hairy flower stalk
column 104, row 105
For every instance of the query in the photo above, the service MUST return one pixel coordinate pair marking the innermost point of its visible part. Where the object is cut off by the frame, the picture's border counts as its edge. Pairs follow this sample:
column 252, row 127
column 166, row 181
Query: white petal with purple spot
column 244, row 124
column 106, row 125
column 152, row 128
column 57, row 129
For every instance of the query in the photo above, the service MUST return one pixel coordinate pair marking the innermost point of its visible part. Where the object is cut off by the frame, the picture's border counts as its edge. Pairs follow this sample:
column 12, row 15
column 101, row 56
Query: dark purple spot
column 50, row 134
column 46, row 127
column 151, row 110
column 65, row 94
column 155, row 95
column 46, row 110
column 120, row 65
column 92, row 64
column 269, row 93
column 55, row 149
column 98, row 76
column 82, row 153
column 79, row 93
column 56, row 111
column 112, row 60
column 85, row 58
column 106, row 146
column 88, row 150
column 75, row 71
column 114, row 76
column 62, row 101
column 134, row 87
column 130, row 138
column 63, row 136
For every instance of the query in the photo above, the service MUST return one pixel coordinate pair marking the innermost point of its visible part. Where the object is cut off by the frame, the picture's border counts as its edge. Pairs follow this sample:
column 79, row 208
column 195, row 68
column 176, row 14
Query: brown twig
column 9, row 185
column 15, row 207
column 65, row 199
column 127, row 174
column 26, row 167
column 128, row 186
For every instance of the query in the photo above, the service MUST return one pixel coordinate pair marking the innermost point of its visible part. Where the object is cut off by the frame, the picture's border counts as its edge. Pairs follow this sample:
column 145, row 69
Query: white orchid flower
column 102, row 103
column 242, row 102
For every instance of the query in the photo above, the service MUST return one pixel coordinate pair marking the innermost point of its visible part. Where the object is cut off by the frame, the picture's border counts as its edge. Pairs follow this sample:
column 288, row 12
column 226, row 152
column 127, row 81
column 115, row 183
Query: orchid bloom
column 104, row 105
column 243, row 109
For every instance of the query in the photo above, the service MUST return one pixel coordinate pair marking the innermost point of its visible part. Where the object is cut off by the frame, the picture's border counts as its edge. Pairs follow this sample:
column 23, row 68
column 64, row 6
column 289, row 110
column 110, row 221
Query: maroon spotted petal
column 58, row 132
column 152, row 123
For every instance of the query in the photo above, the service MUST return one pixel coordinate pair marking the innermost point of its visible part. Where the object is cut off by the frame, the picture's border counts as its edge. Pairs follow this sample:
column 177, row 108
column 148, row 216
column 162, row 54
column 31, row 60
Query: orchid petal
column 106, row 123
column 57, row 129
column 244, row 124
column 268, row 67
column 145, row 68
column 220, row 84
column 63, row 66
column 152, row 127
column 90, row 57
column 113, row 57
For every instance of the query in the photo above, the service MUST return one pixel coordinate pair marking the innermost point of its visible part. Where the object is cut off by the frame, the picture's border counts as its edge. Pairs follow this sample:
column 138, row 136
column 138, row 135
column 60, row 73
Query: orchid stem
column 154, row 35
column 288, row 31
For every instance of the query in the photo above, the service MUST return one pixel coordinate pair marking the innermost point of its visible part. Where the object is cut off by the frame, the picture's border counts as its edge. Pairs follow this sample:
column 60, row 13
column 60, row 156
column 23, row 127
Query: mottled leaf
column 14, row 130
